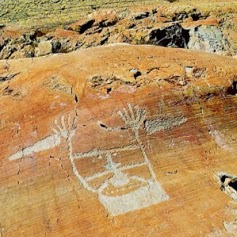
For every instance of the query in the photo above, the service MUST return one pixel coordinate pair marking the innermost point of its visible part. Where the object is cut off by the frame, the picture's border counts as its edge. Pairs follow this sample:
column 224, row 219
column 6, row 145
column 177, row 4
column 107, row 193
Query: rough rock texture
column 207, row 27
column 51, row 12
column 119, row 141
column 44, row 48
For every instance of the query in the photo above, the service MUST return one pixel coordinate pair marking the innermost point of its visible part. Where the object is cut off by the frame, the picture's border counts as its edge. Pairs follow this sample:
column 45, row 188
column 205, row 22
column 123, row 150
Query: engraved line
column 44, row 144
column 70, row 134
column 135, row 124
column 97, row 152
column 127, row 167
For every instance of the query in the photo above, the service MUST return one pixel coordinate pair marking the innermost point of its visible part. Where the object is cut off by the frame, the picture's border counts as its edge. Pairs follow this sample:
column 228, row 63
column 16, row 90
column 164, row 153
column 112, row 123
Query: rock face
column 209, row 39
column 44, row 48
column 191, row 29
column 119, row 140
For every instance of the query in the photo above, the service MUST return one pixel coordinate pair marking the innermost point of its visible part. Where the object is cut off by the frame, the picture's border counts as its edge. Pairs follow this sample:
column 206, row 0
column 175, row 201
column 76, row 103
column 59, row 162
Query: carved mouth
column 131, row 186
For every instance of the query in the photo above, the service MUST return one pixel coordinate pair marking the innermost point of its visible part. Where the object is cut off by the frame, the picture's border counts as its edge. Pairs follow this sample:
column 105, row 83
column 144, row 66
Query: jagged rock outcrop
column 118, row 140
column 190, row 28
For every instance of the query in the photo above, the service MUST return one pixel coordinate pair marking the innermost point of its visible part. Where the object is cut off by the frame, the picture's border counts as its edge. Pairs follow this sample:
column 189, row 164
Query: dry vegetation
column 54, row 12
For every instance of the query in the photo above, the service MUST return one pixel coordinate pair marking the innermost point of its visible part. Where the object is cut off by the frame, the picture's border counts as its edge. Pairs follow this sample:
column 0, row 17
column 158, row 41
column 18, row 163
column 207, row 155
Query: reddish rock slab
column 118, row 141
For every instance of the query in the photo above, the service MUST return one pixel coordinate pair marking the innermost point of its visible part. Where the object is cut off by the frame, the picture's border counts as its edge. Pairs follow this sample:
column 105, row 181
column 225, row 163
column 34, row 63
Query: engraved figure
column 117, row 181
column 48, row 142
column 119, row 191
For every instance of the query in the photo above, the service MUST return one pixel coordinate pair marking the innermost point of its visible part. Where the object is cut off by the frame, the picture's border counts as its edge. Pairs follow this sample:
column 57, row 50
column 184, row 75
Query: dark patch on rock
column 108, row 22
column 180, row 16
column 85, row 26
column 7, row 91
column 104, row 40
column 229, row 185
column 136, row 73
column 141, row 15
column 172, row 36
column 194, row 14
column 8, row 77
column 232, row 90
column 56, row 46
column 176, row 80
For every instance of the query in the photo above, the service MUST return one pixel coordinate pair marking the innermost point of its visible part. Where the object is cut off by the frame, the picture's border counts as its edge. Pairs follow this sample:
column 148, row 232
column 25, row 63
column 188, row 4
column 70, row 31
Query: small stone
column 210, row 39
column 29, row 51
column 154, row 11
column 82, row 26
column 136, row 73
column 133, row 71
column 56, row 46
column 141, row 15
column 44, row 48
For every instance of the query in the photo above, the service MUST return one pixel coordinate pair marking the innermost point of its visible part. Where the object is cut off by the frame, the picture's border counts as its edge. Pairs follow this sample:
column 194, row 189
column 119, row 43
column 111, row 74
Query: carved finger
column 55, row 131
column 121, row 116
column 142, row 115
column 57, row 126
column 131, row 111
column 138, row 115
column 126, row 115
column 63, row 123
column 56, row 122
column 69, row 122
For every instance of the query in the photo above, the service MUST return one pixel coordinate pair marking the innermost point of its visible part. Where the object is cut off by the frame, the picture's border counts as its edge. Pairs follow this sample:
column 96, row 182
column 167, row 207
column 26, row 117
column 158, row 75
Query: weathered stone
column 208, row 31
column 44, row 48
column 172, row 36
column 118, row 140
column 87, row 149
column 27, row 52
column 106, row 19
column 82, row 26
column 56, row 46
column 209, row 39
column 7, row 51
column 140, row 15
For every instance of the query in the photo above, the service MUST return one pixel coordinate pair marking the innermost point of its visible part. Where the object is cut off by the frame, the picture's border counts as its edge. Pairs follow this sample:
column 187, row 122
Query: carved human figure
column 119, row 188
column 119, row 191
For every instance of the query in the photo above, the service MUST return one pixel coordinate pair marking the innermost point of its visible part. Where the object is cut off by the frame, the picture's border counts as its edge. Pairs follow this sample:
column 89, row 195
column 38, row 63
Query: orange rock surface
column 208, row 27
column 118, row 140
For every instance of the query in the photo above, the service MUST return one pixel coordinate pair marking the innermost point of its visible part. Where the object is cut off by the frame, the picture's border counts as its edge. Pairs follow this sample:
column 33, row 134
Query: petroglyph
column 133, row 118
column 219, row 138
column 143, row 197
column 159, row 124
column 97, row 152
column 58, row 84
column 45, row 144
column 231, row 227
column 118, row 190
column 114, row 174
